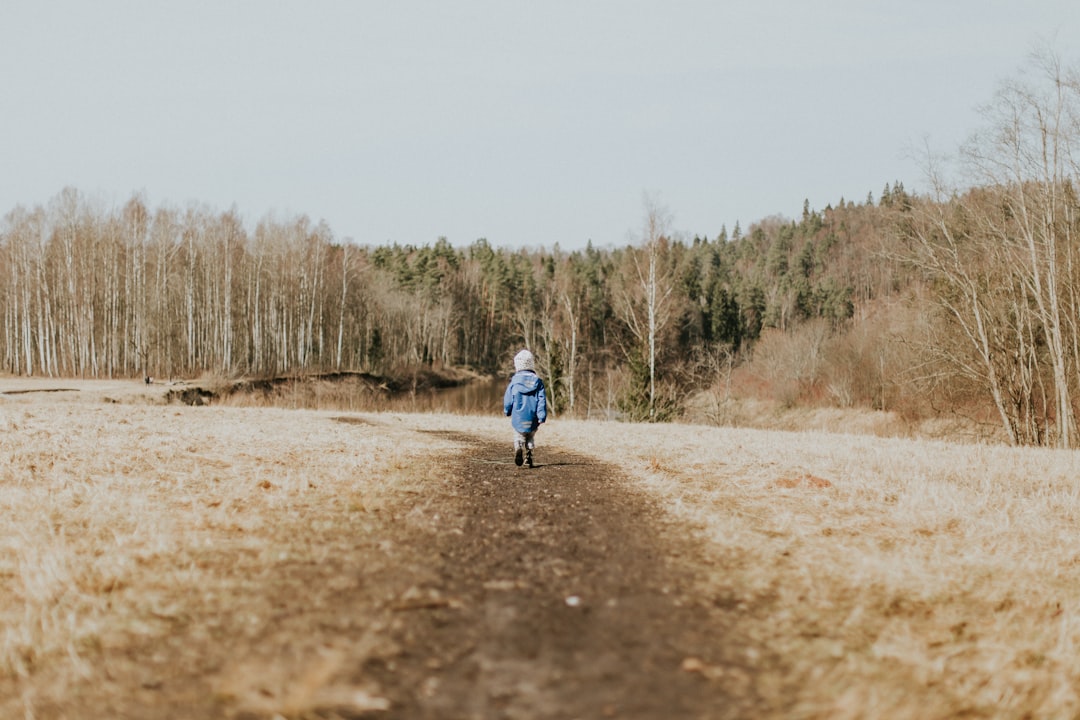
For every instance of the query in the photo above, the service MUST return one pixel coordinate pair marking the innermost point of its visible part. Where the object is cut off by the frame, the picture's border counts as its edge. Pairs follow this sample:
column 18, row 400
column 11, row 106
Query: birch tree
column 1007, row 254
column 644, row 306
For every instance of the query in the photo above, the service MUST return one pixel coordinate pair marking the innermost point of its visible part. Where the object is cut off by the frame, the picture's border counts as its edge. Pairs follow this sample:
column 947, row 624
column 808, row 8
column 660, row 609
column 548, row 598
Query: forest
column 961, row 300
column 133, row 291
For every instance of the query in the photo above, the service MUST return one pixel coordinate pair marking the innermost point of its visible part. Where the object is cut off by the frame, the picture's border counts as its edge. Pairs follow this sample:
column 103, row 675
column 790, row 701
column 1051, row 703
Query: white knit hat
column 524, row 361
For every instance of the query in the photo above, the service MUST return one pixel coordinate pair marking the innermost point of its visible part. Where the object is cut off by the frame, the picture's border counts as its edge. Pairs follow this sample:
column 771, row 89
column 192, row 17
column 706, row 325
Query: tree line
column 807, row 311
column 962, row 300
column 128, row 291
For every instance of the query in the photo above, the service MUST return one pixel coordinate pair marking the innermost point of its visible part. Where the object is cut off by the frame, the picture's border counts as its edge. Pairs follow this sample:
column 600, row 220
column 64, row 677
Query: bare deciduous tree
column 644, row 299
column 1006, row 255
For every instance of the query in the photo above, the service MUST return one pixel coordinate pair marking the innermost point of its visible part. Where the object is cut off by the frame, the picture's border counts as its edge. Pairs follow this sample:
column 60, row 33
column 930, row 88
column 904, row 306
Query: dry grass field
column 897, row 578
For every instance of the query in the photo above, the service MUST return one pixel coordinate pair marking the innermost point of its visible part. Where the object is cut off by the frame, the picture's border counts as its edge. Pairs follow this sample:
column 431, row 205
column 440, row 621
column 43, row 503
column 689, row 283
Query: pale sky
column 523, row 123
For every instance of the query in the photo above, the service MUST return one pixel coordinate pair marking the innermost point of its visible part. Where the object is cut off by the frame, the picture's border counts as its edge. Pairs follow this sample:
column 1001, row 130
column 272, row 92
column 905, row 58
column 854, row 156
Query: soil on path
column 566, row 595
column 496, row 592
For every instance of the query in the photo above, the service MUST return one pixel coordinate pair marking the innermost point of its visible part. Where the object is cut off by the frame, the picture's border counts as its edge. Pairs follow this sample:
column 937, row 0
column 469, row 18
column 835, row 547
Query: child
column 525, row 403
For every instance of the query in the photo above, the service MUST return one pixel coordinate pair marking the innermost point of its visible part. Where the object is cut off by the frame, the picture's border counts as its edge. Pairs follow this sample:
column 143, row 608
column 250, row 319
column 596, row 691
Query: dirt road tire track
column 563, row 595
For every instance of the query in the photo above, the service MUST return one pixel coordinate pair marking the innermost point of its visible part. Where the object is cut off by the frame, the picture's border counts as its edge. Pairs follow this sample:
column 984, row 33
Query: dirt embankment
column 285, row 390
column 346, row 383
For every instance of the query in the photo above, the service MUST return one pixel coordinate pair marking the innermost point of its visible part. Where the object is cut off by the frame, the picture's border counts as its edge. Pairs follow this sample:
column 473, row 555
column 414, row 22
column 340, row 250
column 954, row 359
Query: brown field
column 895, row 578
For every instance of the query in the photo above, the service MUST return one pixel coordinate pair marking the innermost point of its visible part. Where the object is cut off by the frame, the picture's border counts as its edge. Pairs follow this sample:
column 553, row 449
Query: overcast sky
column 524, row 123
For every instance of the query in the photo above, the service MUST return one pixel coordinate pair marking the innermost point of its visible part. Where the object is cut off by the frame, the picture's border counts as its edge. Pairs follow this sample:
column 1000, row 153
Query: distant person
column 525, row 403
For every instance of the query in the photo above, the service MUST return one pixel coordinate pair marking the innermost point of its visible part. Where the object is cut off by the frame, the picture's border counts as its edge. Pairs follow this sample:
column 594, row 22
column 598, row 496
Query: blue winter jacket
column 525, row 402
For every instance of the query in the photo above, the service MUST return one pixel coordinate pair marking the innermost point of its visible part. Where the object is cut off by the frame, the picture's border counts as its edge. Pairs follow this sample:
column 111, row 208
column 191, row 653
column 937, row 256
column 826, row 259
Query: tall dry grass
column 870, row 577
column 121, row 523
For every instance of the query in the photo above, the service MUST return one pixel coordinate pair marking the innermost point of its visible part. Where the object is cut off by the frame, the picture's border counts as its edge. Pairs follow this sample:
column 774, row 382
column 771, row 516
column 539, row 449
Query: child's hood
column 526, row 381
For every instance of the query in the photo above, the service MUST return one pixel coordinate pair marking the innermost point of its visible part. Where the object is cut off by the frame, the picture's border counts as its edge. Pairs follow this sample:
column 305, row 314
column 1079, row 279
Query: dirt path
column 496, row 593
column 559, row 599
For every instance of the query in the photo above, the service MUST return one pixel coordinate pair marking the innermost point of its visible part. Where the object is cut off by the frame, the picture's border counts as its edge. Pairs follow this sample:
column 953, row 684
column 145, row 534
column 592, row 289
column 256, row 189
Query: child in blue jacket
column 525, row 403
